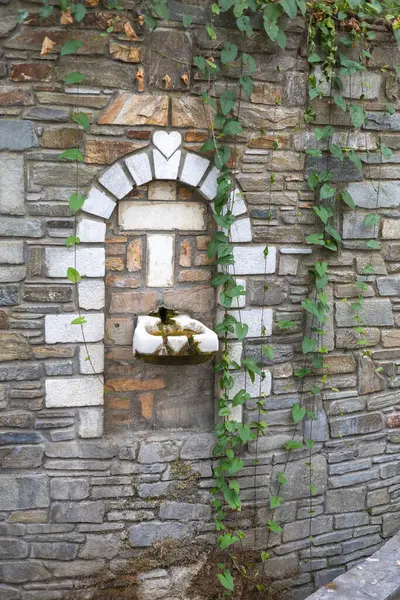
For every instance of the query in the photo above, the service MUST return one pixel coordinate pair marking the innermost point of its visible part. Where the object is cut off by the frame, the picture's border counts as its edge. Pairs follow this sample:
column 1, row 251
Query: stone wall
column 71, row 506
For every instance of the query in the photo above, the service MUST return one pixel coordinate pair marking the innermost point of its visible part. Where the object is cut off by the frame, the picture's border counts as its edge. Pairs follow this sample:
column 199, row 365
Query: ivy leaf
column 76, row 201
column 316, row 239
column 71, row 47
column 247, row 84
column 293, row 445
column 80, row 12
column 281, row 38
column 232, row 127
column 330, row 230
column 321, row 268
column 226, row 580
column 73, row 275
column 79, row 321
column 390, row 108
column 327, row 191
column 245, row 433
column 252, row 368
column 298, row 412
column 241, row 330
column 357, row 115
column 336, row 151
column 323, row 132
column 353, row 156
column 313, row 180
column 340, row 102
column 286, row 324
column 374, row 245
column 74, row 77
column 281, row 478
column 290, row 7
column 322, row 213
column 240, row 398
column 71, row 154
column 314, row 58
column 269, row 352
column 368, row 270
column 224, row 541
column 187, row 20
column 313, row 489
column 275, row 501
column 22, row 15
column 243, row 24
column 82, row 119
column 274, row 526
column 308, row 345
column 72, row 240
column 200, row 63
column 228, row 53
column 222, row 156
column 310, row 444
column 264, row 556
column 249, row 62
column 371, row 219
column 386, row 152
column 347, row 199
column 313, row 152
column 302, row 4
column 227, row 101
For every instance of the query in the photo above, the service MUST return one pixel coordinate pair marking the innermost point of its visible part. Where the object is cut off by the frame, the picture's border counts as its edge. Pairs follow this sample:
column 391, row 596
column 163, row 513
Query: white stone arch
column 164, row 159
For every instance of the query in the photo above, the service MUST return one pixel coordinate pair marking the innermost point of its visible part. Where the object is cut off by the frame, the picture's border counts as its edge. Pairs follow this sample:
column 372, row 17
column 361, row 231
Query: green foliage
column 71, row 47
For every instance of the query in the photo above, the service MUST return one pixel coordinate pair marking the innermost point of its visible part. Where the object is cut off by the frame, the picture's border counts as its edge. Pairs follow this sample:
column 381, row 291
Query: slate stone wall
column 128, row 505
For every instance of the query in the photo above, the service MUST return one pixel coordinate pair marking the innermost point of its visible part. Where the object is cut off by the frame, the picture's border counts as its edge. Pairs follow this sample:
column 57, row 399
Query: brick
column 135, row 385
column 194, row 300
column 119, row 331
column 91, row 230
column 114, row 263
column 147, row 405
column 91, row 294
column 194, row 275
column 133, row 302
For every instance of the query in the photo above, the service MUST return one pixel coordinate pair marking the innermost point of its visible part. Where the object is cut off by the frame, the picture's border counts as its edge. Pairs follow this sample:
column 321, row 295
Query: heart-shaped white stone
column 167, row 143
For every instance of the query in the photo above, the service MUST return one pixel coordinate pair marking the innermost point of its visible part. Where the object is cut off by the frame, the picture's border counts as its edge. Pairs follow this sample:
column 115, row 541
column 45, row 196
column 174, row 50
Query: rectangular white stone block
column 241, row 231
column 139, row 167
column 90, row 422
column 162, row 216
column 98, row 203
column 166, row 168
column 295, row 250
column 95, row 362
column 11, row 253
column 58, row 328
column 237, row 203
column 160, row 260
column 256, row 389
column 116, row 181
column 90, row 261
column 194, row 168
column 249, row 260
column 253, row 317
column 209, row 186
column 91, row 231
column 64, row 392
column 91, row 294
column 12, row 188
column 238, row 301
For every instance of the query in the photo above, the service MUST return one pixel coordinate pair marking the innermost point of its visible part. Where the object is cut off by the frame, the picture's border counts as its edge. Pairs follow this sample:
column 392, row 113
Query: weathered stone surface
column 298, row 476
column 352, row 519
column 158, row 452
column 184, row 512
column 29, row 38
column 268, row 117
column 144, row 534
column 351, row 499
column 9, row 593
column 103, row 153
column 129, row 54
column 197, row 300
column 20, row 572
column 31, row 72
column 355, row 228
column 388, row 286
column 106, row 545
column 54, row 293
column 17, row 135
column 198, row 446
column 374, row 313
column 382, row 121
column 44, row 113
column 369, row 380
column 14, row 346
column 136, row 109
column 20, row 492
column 282, row 567
column 8, row 294
column 189, row 111
column 15, row 96
column 160, row 53
column 21, row 457
column 54, row 550
column 62, row 137
column 356, row 424
column 12, row 191
column 84, row 512
column 348, row 338
column 276, row 293
column 12, row 548
column 28, row 228
column 366, row 195
column 69, row 488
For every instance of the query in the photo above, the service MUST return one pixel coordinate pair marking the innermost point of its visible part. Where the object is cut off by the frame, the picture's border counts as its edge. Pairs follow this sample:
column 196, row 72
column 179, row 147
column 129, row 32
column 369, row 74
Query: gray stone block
column 83, row 512
column 20, row 437
column 351, row 499
column 9, row 593
column 26, row 228
column 282, row 567
column 333, row 537
column 381, row 121
column 298, row 476
column 391, row 524
column 374, row 313
column 198, row 446
column 327, row 576
column 20, row 492
column 302, row 529
column 69, row 488
column 183, row 511
column 356, row 424
column 388, row 286
column 354, row 227
column 12, row 190
column 21, row 457
column 359, row 544
column 276, row 293
column 8, row 294
column 144, row 534
column 375, row 194
column 106, row 545
column 54, row 550
column 23, row 571
column 12, row 548
column 341, row 171
column 45, row 113
column 154, row 452
column 17, row 135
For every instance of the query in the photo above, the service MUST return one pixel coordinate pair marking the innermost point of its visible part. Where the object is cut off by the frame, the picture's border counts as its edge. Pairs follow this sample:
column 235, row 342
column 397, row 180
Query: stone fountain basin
column 181, row 341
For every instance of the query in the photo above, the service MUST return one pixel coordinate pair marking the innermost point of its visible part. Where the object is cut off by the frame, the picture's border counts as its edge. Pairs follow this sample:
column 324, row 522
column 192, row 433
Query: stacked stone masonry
column 103, row 461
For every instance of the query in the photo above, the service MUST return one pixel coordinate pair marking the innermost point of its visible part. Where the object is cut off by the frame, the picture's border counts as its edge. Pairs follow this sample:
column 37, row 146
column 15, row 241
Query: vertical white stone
column 166, row 168
column 139, row 167
column 238, row 206
column 91, row 231
column 209, row 185
column 160, row 260
column 98, row 203
column 90, row 422
column 12, row 189
column 116, row 181
column 91, row 294
column 95, row 362
column 241, row 231
column 194, row 168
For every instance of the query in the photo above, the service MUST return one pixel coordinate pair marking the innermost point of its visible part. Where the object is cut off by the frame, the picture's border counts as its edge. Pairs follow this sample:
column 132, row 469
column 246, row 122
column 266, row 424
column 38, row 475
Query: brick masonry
column 87, row 484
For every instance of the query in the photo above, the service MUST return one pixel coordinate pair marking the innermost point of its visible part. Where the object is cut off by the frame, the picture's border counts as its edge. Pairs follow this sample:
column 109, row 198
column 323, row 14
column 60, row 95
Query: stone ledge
column 377, row 577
